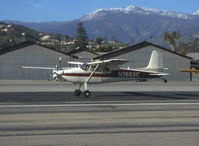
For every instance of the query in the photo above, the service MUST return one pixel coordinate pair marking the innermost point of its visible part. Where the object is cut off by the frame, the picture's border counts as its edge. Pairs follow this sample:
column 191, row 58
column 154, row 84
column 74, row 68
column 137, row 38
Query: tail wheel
column 87, row 93
column 165, row 81
column 77, row 92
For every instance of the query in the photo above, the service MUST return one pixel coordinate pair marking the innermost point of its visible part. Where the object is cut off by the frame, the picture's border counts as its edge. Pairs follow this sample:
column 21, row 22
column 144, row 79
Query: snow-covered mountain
column 196, row 13
column 126, row 24
column 136, row 10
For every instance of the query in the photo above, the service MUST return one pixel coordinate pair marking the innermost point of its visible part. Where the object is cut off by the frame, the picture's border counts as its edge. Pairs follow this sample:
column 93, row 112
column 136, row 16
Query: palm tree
column 172, row 39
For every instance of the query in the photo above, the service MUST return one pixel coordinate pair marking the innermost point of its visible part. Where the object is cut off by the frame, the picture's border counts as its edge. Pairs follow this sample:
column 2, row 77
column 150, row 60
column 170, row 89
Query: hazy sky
column 66, row 10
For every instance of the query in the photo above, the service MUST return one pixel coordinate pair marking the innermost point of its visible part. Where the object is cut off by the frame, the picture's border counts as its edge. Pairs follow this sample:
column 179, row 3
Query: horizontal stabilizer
column 160, row 74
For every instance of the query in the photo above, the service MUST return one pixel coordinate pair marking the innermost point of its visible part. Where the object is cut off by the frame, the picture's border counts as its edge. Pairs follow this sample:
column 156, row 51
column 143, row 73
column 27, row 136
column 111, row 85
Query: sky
column 67, row 10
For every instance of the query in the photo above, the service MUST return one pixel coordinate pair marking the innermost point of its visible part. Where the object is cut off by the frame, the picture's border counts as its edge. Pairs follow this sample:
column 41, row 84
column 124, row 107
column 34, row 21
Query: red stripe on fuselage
column 87, row 75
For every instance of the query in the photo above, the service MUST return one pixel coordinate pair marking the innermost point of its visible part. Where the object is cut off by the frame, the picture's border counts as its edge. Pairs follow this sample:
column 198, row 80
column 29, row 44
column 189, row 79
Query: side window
column 85, row 67
column 103, row 69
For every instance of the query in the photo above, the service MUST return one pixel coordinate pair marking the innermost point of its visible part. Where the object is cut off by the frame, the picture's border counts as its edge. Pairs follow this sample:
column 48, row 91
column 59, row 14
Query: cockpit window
column 91, row 68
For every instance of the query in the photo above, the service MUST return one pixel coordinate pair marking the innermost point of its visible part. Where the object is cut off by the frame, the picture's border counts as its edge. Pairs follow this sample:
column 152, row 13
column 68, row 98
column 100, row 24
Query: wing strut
column 92, row 73
column 87, row 80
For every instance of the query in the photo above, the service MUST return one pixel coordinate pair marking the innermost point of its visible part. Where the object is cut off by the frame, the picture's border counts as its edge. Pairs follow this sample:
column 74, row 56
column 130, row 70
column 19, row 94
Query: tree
column 81, row 39
column 172, row 39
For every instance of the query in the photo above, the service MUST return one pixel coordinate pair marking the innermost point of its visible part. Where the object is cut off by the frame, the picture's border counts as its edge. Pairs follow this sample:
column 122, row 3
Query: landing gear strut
column 87, row 93
column 78, row 92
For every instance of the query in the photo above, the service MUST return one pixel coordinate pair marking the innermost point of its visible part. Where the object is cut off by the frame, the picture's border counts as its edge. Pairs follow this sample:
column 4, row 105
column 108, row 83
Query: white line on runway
column 94, row 105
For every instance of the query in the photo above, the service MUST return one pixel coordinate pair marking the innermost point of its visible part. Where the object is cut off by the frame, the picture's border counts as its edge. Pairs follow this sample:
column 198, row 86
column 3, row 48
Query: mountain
column 11, row 34
column 196, row 13
column 126, row 24
column 47, row 27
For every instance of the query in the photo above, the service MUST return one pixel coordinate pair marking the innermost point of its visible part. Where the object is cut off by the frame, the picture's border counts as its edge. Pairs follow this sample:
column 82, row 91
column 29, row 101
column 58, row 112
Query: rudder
column 156, row 61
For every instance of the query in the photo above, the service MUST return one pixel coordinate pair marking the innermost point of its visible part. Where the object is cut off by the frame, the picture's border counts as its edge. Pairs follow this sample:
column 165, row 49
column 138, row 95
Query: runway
column 53, row 86
column 107, row 118
column 68, row 97
column 126, row 123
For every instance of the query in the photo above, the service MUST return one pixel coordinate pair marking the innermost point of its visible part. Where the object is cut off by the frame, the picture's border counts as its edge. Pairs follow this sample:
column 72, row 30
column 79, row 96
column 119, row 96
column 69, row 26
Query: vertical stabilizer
column 156, row 61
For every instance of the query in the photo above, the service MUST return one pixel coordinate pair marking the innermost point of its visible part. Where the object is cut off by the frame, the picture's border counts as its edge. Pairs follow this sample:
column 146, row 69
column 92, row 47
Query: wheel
column 165, row 81
column 87, row 93
column 77, row 92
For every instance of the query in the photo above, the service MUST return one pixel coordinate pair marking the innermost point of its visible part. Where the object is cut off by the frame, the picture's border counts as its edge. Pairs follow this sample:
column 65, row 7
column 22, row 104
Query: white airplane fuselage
column 78, row 75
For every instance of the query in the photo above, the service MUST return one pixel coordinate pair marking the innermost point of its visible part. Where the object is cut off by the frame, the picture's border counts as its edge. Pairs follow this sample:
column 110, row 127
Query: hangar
column 139, row 55
column 83, row 54
column 33, row 54
column 30, row 54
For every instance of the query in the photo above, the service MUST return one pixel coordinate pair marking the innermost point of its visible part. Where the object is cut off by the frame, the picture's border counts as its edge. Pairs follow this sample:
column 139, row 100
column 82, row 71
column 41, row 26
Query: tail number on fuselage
column 129, row 74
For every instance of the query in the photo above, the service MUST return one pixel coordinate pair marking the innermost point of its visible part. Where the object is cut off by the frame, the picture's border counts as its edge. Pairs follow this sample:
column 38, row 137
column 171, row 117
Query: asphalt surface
column 48, row 114
column 61, row 97
column 46, row 86
column 100, row 124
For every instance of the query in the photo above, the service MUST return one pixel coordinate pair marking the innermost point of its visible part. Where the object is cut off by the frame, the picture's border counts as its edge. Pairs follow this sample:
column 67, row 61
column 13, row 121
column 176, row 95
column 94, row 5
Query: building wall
column 140, row 58
column 195, row 77
column 33, row 55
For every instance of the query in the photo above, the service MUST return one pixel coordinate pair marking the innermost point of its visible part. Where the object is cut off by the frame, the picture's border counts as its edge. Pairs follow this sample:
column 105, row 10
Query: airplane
column 105, row 71
column 189, row 70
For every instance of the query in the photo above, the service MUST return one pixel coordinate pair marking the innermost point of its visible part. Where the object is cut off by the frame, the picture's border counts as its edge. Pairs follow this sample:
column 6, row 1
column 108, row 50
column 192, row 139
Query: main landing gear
column 77, row 92
column 86, row 93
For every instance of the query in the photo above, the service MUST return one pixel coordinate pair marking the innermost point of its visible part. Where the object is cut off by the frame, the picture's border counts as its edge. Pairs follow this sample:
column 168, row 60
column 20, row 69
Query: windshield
column 91, row 68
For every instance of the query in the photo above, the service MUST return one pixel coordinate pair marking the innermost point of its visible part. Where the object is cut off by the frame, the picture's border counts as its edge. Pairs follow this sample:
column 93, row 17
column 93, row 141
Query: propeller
column 57, row 71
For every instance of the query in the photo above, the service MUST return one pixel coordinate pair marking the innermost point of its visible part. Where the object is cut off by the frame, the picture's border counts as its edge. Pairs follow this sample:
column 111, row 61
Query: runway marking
column 94, row 105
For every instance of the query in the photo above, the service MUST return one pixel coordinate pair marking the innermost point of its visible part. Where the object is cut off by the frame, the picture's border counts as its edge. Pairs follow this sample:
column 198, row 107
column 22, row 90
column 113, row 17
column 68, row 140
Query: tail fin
column 156, row 61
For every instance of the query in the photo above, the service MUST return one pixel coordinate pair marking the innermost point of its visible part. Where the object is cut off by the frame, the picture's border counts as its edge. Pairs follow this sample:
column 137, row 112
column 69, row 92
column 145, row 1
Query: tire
column 77, row 92
column 87, row 93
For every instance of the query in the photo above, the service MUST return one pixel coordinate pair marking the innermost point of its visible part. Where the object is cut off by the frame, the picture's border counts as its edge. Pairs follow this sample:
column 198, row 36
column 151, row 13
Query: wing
column 111, row 64
column 189, row 70
column 31, row 67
